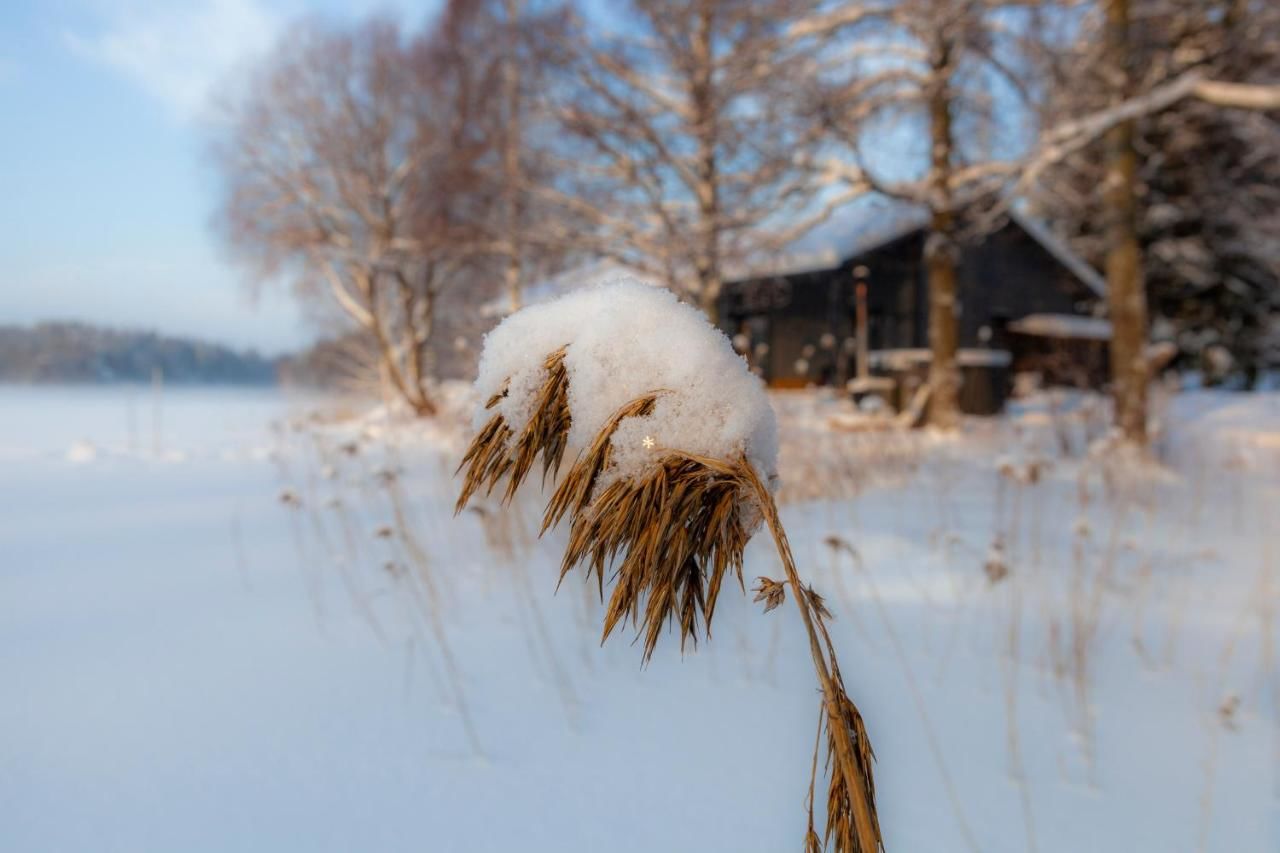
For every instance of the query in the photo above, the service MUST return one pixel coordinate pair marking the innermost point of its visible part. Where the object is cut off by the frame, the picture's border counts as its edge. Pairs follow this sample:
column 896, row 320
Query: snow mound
column 623, row 340
column 81, row 452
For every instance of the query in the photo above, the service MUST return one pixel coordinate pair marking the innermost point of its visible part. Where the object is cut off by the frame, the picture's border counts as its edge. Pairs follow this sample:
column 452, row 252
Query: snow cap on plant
column 623, row 340
column 675, row 449
column 665, row 421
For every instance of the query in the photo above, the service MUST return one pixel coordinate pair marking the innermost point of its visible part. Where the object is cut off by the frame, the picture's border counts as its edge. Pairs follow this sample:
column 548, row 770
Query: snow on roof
column 790, row 263
column 1063, row 326
column 886, row 227
column 898, row 222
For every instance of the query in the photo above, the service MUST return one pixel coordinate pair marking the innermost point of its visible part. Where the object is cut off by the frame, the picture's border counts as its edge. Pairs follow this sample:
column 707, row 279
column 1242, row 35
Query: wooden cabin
column 796, row 325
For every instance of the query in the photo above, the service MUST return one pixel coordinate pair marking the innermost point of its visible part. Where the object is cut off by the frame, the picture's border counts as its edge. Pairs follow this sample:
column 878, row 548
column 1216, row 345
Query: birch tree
column 513, row 46
column 1158, row 155
column 1206, row 171
column 691, row 153
column 935, row 64
column 348, row 167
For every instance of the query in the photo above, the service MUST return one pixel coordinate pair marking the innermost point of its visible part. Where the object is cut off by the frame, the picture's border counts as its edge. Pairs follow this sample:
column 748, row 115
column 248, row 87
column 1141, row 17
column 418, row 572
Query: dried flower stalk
column 667, row 539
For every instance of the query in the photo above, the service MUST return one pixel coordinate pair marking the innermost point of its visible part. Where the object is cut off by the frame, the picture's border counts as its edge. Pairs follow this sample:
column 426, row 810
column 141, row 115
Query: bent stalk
column 866, row 827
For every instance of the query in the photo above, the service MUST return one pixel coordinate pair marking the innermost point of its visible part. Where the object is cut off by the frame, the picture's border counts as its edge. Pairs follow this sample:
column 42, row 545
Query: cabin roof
column 1062, row 252
column 909, row 225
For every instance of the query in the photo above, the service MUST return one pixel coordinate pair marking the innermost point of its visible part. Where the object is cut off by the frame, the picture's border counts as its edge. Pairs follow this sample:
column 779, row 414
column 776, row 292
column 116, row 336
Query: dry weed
column 666, row 540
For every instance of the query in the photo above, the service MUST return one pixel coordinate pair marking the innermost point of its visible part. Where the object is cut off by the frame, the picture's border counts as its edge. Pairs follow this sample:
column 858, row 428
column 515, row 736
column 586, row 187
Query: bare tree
column 514, row 46
column 1202, row 193
column 1143, row 161
column 934, row 63
column 512, row 170
column 938, row 61
column 348, row 166
column 1126, row 294
column 692, row 155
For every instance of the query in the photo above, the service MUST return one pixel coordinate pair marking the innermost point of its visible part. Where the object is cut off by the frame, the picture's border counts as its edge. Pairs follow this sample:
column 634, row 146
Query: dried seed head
column 841, row 821
column 496, row 451
column 666, row 533
column 667, row 537
column 818, row 603
column 578, row 486
column 1227, row 711
column 771, row 592
column 996, row 567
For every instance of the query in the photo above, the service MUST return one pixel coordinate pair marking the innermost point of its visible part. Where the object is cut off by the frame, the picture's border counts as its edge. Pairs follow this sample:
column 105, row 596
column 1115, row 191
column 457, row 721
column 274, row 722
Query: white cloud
column 178, row 51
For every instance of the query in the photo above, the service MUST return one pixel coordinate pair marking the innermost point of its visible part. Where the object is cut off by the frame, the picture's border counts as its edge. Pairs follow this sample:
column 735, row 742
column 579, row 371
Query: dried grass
column 666, row 540
column 676, row 533
column 493, row 455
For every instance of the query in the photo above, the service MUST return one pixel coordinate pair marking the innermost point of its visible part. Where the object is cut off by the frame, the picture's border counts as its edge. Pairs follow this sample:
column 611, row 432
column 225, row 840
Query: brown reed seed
column 492, row 454
column 574, row 492
column 672, row 535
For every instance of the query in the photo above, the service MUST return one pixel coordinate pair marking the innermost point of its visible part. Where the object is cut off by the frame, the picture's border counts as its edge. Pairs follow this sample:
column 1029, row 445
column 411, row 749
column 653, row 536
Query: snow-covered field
column 220, row 634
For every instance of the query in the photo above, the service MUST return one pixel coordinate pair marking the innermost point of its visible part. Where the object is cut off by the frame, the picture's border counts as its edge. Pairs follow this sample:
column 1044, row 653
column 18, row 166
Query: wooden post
column 860, row 318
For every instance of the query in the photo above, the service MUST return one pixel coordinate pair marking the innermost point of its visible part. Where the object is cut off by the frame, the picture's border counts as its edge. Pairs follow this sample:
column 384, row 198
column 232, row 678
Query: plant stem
column 865, row 824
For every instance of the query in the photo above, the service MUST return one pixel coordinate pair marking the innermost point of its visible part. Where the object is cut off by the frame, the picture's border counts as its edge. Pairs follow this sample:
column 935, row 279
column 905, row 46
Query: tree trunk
column 412, row 392
column 511, row 277
column 418, row 311
column 707, row 254
column 709, row 294
column 940, row 251
column 1126, row 292
column 511, row 158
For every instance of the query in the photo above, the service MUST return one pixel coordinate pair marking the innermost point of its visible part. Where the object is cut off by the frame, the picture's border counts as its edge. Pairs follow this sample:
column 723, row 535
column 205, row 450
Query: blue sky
column 105, row 191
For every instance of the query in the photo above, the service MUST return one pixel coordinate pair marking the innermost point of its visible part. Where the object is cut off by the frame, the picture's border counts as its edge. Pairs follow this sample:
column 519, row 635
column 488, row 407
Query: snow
column 192, row 663
column 82, row 451
column 626, row 339
column 825, row 248
column 870, row 385
column 908, row 358
column 1063, row 326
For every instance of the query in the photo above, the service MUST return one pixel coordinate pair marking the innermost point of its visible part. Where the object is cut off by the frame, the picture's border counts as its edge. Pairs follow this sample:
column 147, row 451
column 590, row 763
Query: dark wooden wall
column 1002, row 277
column 1008, row 276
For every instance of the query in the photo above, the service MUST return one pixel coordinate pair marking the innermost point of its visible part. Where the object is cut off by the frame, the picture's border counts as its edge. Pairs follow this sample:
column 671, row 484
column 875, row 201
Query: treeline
column 417, row 180
column 76, row 352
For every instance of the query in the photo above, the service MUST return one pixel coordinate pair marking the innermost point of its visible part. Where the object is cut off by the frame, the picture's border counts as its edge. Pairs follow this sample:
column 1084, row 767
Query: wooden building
column 796, row 325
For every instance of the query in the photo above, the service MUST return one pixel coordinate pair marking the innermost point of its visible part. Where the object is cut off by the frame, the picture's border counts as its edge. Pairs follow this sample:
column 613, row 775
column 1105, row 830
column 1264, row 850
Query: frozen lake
column 220, row 634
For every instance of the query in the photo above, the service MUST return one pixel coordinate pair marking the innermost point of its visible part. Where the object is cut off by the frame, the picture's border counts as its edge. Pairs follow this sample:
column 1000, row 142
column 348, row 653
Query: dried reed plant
column 667, row 539
column 492, row 456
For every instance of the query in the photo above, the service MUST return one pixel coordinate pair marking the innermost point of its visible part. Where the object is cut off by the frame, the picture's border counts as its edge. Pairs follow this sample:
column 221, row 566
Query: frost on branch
column 623, row 340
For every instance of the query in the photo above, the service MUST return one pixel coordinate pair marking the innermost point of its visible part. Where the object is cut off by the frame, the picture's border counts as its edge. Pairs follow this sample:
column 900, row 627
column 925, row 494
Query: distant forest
column 75, row 352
